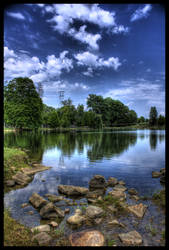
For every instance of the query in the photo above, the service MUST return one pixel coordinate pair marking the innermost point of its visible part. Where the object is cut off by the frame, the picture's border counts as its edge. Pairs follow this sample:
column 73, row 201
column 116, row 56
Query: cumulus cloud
column 64, row 16
column 16, row 15
column 141, row 13
column 93, row 61
column 19, row 65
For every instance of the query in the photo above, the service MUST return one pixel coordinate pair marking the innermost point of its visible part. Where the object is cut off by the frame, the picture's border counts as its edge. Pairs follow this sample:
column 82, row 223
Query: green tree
column 53, row 119
column 161, row 120
column 153, row 116
column 141, row 119
column 80, row 115
column 22, row 104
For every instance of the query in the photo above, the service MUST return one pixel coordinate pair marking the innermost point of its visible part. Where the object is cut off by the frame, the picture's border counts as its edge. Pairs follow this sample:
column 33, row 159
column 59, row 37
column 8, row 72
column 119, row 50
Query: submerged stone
column 87, row 238
column 50, row 211
column 37, row 201
column 139, row 209
column 131, row 238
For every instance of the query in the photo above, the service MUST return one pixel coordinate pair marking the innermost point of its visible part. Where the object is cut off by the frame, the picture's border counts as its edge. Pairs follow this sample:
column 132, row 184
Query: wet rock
column 87, row 238
column 92, row 201
column 156, row 174
column 67, row 210
column 41, row 228
column 10, row 183
column 139, row 209
column 53, row 224
column 120, row 188
column 97, row 182
column 98, row 221
column 112, row 208
column 30, row 212
column 162, row 170
column 42, row 238
column 131, row 238
column 77, row 218
column 21, row 178
column 93, row 212
column 112, row 182
column 116, row 223
column 24, row 205
column 122, row 183
column 95, row 194
column 32, row 171
column 50, row 211
column 135, row 197
column 54, row 198
column 132, row 191
column 72, row 190
column 162, row 179
column 117, row 194
column 37, row 201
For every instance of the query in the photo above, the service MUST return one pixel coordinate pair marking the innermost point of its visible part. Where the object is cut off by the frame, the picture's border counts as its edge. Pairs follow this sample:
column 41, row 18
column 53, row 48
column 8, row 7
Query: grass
column 159, row 198
column 111, row 243
column 16, row 234
column 151, row 229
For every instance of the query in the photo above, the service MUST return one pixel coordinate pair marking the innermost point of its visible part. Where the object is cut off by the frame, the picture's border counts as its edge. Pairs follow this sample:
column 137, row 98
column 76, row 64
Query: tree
column 161, row 120
column 141, row 119
column 53, row 119
column 153, row 116
column 22, row 104
column 80, row 115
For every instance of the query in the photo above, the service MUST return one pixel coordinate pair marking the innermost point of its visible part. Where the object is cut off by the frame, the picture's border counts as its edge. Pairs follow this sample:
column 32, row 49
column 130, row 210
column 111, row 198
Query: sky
column 112, row 50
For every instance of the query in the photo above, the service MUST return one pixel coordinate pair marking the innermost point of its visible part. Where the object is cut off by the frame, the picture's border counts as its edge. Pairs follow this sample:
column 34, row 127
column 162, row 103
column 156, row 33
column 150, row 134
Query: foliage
column 22, row 104
column 153, row 116
column 141, row 119
column 161, row 120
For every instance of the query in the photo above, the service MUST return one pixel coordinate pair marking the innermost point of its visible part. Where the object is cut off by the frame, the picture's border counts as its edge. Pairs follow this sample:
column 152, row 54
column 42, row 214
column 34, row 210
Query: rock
column 92, row 201
column 72, row 190
column 54, row 198
column 37, row 201
column 120, row 188
column 32, row 171
column 95, row 194
column 132, row 191
column 21, row 178
column 112, row 208
column 67, row 210
column 24, row 205
column 42, row 238
column 77, row 218
column 41, row 228
column 162, row 179
column 139, row 209
column 162, row 170
column 131, row 238
column 10, row 183
column 122, row 183
column 93, row 212
column 97, row 182
column 53, row 224
column 112, row 182
column 87, row 238
column 135, row 197
column 51, row 211
column 117, row 194
column 30, row 212
column 156, row 174
column 98, row 220
column 116, row 223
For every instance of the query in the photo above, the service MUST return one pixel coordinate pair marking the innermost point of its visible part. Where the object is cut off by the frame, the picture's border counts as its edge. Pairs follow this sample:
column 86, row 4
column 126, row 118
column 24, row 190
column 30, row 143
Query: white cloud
column 148, row 70
column 64, row 16
column 91, row 60
column 85, row 37
column 89, row 72
column 21, row 65
column 141, row 13
column 16, row 15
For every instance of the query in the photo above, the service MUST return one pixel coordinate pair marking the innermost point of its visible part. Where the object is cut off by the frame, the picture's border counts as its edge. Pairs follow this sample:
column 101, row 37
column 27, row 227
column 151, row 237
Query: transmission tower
column 61, row 96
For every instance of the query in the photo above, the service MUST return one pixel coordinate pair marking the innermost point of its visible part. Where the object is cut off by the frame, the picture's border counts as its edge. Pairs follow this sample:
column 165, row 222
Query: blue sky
column 115, row 50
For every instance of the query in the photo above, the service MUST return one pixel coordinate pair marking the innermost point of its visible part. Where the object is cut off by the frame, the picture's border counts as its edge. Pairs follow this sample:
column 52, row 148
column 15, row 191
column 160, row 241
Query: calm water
column 75, row 157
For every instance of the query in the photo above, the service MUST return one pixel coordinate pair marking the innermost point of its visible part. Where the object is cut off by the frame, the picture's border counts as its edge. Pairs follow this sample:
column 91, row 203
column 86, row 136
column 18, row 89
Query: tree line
column 23, row 108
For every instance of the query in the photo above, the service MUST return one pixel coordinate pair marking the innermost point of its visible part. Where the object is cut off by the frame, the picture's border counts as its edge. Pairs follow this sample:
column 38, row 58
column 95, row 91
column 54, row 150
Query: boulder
column 95, row 194
column 112, row 182
column 156, row 174
column 51, row 211
column 53, row 224
column 54, row 198
column 138, row 210
column 116, row 223
column 87, row 238
column 122, row 183
column 135, row 197
column 10, row 183
column 97, row 182
column 42, row 238
column 70, row 190
column 120, row 188
column 131, row 238
column 94, row 212
column 32, row 171
column 37, row 201
column 117, row 194
column 132, row 191
column 41, row 228
column 21, row 178
column 77, row 218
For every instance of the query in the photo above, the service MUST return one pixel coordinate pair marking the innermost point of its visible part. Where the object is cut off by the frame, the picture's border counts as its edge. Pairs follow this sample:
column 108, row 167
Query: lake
column 75, row 157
